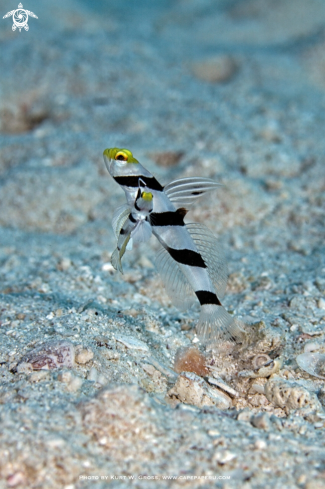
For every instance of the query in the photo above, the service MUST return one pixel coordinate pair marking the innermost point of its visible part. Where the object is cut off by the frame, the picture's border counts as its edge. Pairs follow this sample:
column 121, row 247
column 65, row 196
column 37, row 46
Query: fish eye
column 121, row 156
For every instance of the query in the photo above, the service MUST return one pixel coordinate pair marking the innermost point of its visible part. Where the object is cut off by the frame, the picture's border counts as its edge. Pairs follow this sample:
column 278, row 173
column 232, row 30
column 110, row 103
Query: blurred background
column 230, row 89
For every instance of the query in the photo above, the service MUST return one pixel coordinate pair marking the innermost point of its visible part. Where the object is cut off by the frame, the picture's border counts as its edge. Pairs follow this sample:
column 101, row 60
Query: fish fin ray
column 119, row 217
column 117, row 255
column 216, row 324
column 185, row 191
column 116, row 261
column 142, row 232
column 177, row 286
column 212, row 254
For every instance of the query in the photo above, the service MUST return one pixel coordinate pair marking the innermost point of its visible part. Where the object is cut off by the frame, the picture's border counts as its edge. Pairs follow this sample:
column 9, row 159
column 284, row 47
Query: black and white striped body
column 190, row 263
column 171, row 232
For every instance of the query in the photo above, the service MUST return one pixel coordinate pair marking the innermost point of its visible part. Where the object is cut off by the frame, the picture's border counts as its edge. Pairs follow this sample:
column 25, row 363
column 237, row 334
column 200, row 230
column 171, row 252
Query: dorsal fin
column 183, row 192
column 182, row 211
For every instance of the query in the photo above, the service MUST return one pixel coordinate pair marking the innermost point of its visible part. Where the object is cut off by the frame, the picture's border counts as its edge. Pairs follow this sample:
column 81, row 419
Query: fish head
column 120, row 162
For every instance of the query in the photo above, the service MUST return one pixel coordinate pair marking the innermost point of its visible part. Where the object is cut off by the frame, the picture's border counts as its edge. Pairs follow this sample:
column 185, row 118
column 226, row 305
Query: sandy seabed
column 230, row 90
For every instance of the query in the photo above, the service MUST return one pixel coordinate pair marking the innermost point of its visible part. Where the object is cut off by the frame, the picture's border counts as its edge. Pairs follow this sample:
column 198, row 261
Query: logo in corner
column 20, row 18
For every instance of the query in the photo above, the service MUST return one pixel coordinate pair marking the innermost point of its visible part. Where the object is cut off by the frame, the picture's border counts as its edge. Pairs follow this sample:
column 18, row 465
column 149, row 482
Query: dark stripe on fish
column 133, row 181
column 169, row 218
column 187, row 257
column 206, row 297
column 136, row 200
column 132, row 218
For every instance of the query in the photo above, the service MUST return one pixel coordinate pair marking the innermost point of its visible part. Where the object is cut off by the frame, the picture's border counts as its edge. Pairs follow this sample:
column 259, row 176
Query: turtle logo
column 20, row 18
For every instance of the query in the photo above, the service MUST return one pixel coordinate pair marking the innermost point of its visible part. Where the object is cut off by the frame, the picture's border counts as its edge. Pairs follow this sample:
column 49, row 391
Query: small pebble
column 192, row 389
column 320, row 424
column 149, row 369
column 321, row 303
column 65, row 377
column 260, row 444
column 262, row 421
column 214, row 433
column 190, row 359
column 102, row 380
column 258, row 388
column 218, row 69
column 55, row 442
column 302, row 479
column 110, row 354
column 93, row 375
column 311, row 346
column 245, row 415
column 84, row 356
column 50, row 355
column 64, row 264
column 132, row 343
column 39, row 375
column 73, row 382
column 16, row 479
column 108, row 267
column 222, row 385
column 224, row 456
column 24, row 368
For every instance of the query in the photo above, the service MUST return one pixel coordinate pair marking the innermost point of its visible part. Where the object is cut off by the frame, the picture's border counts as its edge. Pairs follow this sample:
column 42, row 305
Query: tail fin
column 216, row 324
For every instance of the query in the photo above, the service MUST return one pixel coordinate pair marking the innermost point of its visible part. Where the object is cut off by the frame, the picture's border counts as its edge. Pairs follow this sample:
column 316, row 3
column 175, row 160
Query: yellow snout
column 120, row 155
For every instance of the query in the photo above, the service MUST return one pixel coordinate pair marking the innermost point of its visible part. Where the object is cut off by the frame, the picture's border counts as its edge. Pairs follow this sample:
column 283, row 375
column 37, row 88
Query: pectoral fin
column 119, row 218
column 117, row 255
column 142, row 232
column 212, row 254
column 177, row 286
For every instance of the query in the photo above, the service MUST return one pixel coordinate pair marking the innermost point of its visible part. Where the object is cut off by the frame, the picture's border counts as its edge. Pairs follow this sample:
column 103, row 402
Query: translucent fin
column 119, row 217
column 183, row 192
column 129, row 246
column 117, row 254
column 116, row 260
column 212, row 254
column 142, row 232
column 177, row 286
column 216, row 324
